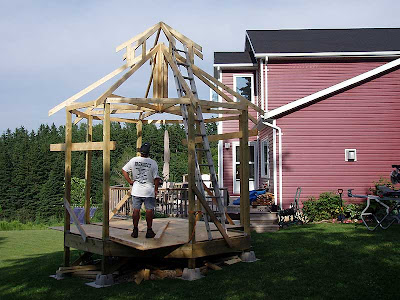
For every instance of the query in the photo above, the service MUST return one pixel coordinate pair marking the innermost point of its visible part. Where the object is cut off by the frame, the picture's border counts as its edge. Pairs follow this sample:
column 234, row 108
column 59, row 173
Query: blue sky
column 52, row 49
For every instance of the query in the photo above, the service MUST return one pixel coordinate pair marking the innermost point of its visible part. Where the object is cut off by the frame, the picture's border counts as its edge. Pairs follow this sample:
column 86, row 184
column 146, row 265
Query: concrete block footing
column 191, row 274
column 248, row 256
column 104, row 280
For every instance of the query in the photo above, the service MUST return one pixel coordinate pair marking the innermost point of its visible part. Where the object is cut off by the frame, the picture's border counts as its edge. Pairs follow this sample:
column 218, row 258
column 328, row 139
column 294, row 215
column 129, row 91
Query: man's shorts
column 149, row 202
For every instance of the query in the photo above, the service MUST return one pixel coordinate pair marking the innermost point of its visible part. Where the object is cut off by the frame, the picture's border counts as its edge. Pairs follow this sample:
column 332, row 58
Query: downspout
column 220, row 143
column 280, row 161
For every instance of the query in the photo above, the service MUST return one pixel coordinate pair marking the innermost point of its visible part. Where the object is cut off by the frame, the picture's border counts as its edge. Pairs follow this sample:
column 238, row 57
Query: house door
column 252, row 166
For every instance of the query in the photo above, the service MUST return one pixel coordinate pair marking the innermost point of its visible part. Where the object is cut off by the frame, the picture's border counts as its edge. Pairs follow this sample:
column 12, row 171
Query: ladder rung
column 183, row 64
column 200, row 134
column 179, row 50
column 213, row 197
column 188, row 77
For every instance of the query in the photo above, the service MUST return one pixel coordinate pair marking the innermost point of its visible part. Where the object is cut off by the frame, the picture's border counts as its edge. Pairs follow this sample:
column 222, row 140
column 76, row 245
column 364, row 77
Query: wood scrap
column 142, row 275
column 161, row 231
column 232, row 260
column 161, row 274
column 213, row 266
column 64, row 270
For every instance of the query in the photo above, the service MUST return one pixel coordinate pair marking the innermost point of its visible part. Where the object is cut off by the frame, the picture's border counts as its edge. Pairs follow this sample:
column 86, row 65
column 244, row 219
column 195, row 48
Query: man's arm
column 156, row 184
column 126, row 175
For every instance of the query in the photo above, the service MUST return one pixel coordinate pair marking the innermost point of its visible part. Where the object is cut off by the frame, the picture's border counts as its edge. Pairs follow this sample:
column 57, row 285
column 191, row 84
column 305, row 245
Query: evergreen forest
column 32, row 177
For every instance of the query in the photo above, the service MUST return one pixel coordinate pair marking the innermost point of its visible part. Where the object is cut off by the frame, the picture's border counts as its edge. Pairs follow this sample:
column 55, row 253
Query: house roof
column 324, row 40
column 308, row 43
column 234, row 58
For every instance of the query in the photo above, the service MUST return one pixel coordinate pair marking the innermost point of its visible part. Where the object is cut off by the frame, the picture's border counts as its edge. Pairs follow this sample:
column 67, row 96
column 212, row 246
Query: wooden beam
column 224, row 136
column 88, row 169
column 150, row 81
column 212, row 216
column 67, row 176
column 75, row 220
column 106, row 171
column 139, row 133
column 183, row 39
column 119, row 205
column 244, row 168
column 88, row 146
column 197, row 71
column 161, row 231
column 221, row 119
column 80, row 105
column 87, row 90
column 212, row 104
column 149, row 100
column 191, row 171
column 148, row 32
column 117, row 84
column 213, row 87
column 178, row 74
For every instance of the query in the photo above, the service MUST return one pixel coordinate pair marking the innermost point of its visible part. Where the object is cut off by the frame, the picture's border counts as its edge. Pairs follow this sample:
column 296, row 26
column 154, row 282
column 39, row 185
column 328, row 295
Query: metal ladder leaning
column 205, row 143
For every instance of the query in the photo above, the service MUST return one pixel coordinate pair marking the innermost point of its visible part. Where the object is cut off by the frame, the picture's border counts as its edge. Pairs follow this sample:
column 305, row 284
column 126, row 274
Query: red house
column 332, row 103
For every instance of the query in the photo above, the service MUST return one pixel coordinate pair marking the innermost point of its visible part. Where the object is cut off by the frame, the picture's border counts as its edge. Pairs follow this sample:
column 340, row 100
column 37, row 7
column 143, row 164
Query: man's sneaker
column 150, row 233
column 135, row 232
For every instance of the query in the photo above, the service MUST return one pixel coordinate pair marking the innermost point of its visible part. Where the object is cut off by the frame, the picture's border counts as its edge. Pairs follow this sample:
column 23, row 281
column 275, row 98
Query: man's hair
column 145, row 149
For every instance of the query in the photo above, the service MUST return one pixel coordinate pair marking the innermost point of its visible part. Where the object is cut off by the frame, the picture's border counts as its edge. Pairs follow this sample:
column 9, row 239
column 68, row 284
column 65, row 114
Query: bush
column 353, row 211
column 327, row 206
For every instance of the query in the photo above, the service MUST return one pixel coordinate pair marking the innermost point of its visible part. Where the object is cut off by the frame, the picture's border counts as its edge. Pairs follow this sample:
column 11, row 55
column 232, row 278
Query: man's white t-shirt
column 144, row 171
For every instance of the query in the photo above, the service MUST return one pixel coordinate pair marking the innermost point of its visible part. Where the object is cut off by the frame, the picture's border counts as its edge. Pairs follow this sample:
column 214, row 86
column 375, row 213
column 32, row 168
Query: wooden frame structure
column 108, row 104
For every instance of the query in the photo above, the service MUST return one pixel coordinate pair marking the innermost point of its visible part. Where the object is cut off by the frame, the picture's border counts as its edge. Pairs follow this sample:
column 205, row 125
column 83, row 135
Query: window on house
column 265, row 159
column 244, row 86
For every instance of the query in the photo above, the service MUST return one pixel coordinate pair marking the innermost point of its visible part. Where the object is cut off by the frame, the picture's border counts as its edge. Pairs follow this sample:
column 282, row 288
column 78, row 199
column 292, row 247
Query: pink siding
column 314, row 138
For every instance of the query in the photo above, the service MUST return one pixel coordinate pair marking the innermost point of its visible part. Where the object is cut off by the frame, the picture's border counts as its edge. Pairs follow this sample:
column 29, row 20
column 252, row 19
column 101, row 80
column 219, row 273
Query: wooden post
column 106, row 181
column 67, row 193
column 244, row 168
column 165, row 77
column 88, row 169
column 139, row 127
column 191, row 177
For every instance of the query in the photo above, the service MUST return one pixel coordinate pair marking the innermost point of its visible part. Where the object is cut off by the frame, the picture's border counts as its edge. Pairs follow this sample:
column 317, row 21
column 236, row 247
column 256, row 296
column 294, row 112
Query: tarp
column 253, row 196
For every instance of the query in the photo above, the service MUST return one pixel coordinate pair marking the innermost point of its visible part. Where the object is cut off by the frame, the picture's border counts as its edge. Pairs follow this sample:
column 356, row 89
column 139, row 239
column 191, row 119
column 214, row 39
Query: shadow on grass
column 321, row 261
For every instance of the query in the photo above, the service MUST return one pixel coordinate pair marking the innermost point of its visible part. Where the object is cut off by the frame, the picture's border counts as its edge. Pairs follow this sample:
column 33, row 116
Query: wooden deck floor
column 177, row 233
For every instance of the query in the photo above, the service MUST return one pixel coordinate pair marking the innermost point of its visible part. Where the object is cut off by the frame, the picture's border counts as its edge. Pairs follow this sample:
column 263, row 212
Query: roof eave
column 328, row 54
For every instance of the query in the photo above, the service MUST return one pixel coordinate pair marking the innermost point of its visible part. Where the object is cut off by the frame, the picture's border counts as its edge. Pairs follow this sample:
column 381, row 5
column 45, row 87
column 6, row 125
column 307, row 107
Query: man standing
column 145, row 181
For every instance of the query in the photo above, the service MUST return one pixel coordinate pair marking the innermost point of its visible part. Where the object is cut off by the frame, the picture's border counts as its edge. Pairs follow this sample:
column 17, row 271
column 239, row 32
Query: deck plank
column 176, row 233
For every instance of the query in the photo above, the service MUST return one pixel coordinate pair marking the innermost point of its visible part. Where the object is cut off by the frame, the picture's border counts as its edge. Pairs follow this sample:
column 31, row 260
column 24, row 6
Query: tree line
column 32, row 177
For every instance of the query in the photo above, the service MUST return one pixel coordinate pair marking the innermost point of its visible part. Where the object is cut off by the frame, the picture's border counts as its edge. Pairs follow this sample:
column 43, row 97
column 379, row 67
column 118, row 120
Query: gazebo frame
column 109, row 104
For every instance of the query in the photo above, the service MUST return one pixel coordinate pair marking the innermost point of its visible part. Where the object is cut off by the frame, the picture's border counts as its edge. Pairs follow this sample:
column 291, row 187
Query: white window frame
column 265, row 160
column 234, row 163
column 252, row 84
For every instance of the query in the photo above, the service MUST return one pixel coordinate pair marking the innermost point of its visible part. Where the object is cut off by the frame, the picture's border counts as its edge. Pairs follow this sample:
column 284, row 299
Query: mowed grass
column 321, row 261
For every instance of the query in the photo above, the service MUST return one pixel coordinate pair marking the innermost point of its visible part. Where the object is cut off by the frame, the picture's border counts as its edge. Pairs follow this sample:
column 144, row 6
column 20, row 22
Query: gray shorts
column 149, row 202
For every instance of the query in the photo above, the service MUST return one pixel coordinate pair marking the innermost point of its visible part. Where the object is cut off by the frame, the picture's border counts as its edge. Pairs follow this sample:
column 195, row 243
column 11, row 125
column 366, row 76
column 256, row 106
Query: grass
column 317, row 261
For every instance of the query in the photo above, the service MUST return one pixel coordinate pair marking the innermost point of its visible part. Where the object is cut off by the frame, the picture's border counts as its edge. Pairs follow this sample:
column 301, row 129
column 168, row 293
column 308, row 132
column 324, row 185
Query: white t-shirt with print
column 144, row 171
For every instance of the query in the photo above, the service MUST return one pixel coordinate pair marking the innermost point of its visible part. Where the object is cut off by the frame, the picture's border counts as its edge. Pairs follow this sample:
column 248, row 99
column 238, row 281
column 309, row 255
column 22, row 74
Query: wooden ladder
column 213, row 194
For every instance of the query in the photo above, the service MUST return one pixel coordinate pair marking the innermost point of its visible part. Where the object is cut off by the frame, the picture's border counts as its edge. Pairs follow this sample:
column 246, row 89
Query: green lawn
column 323, row 261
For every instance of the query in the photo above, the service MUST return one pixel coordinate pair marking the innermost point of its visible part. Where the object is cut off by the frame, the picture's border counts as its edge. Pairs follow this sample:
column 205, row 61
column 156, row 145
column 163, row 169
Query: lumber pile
column 264, row 199
column 86, row 272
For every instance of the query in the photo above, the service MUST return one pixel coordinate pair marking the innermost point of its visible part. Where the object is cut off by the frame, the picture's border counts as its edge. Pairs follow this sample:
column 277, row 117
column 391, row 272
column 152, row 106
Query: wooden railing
column 116, row 194
column 171, row 202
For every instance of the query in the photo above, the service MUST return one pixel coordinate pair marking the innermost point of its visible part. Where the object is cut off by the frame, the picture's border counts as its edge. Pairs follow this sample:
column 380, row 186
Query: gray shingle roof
column 234, row 58
column 325, row 40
